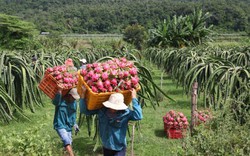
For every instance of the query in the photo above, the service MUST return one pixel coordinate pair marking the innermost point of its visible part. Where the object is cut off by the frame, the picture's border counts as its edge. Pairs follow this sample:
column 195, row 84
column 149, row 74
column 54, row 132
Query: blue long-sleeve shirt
column 113, row 129
column 65, row 114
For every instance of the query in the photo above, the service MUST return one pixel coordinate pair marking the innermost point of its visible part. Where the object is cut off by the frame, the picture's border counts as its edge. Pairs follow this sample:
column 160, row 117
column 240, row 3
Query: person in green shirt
column 65, row 117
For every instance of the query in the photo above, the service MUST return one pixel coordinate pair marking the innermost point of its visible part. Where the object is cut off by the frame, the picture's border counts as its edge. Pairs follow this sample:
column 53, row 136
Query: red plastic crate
column 173, row 133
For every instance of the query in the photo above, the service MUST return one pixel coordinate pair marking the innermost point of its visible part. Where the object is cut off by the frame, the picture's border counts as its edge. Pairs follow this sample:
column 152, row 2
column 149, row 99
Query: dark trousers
column 108, row 152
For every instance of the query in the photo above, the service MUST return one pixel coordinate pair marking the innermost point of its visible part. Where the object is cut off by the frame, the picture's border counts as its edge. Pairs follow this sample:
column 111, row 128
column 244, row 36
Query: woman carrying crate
column 113, row 121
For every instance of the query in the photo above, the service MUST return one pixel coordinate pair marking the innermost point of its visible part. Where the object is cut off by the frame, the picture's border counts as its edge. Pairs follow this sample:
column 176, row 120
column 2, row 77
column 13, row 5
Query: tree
column 181, row 30
column 15, row 33
column 135, row 34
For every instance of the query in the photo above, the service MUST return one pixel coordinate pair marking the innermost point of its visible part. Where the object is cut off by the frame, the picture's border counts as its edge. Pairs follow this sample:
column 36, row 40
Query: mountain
column 111, row 16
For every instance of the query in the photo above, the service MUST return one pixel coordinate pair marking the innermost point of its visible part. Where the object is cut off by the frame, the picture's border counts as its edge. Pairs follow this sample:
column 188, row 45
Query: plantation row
column 226, row 71
column 20, row 77
column 222, row 74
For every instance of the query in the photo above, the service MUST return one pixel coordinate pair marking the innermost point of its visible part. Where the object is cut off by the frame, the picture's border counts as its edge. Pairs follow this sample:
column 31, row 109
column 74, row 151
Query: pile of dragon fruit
column 65, row 77
column 175, row 119
column 202, row 116
column 113, row 75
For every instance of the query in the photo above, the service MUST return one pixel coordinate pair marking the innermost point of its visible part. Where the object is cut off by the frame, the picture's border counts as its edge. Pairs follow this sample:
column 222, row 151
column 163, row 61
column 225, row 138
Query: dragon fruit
column 112, row 75
column 202, row 116
column 175, row 119
column 64, row 76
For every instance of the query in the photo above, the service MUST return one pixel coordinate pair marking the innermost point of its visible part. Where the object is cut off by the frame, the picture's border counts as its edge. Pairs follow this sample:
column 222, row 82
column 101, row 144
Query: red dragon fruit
column 202, row 116
column 64, row 76
column 112, row 75
column 175, row 119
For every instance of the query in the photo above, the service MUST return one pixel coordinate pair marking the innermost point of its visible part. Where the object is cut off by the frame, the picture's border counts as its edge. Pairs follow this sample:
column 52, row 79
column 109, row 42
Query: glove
column 76, row 128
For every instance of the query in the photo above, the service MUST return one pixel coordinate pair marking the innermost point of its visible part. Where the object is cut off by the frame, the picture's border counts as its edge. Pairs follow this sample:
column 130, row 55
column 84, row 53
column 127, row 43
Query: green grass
column 149, row 141
column 153, row 140
column 230, row 43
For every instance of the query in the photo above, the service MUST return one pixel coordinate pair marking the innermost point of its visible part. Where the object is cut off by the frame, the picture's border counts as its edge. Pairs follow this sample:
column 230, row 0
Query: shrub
column 28, row 142
column 225, row 136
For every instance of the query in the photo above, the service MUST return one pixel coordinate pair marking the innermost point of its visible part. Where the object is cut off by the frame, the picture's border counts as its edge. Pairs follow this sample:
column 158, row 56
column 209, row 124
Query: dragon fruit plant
column 112, row 75
column 175, row 119
column 66, row 77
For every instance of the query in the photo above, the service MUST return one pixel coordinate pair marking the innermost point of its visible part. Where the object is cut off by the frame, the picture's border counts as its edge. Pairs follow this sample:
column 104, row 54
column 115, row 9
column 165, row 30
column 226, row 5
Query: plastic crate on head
column 49, row 86
column 94, row 100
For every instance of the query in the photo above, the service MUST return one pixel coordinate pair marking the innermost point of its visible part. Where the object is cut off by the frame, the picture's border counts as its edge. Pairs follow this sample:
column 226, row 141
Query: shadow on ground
column 160, row 133
column 84, row 147
column 177, row 91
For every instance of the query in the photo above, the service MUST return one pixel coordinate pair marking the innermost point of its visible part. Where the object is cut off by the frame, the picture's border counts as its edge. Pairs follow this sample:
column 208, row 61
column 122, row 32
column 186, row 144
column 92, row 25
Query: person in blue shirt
column 113, row 121
column 65, row 116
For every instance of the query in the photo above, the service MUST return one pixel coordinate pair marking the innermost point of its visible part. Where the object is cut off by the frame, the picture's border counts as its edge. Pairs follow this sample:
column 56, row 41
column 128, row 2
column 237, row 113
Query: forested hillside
column 110, row 16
